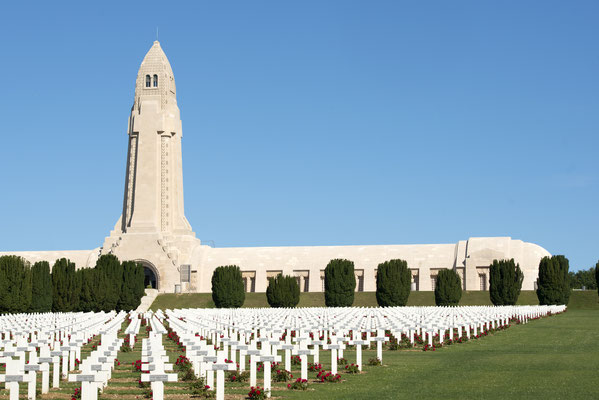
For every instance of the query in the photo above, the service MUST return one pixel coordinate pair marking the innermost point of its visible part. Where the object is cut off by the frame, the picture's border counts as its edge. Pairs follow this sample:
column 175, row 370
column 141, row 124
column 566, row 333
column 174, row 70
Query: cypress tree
column 111, row 267
column 227, row 287
column 339, row 283
column 66, row 286
column 101, row 292
column 15, row 284
column 448, row 290
column 597, row 275
column 59, row 286
column 505, row 282
column 282, row 291
column 393, row 280
column 140, row 289
column 87, row 298
column 41, row 287
column 132, row 279
column 74, row 287
column 553, row 284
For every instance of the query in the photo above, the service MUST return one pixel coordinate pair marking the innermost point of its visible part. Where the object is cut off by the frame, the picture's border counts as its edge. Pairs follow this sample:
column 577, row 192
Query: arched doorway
column 150, row 275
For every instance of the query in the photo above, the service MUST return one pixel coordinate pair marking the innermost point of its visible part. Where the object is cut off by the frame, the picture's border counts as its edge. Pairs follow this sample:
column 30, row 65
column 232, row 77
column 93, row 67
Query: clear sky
column 312, row 122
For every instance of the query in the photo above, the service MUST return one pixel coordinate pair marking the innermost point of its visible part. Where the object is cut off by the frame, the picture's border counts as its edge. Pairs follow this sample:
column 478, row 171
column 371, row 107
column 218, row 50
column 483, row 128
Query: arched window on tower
column 155, row 81
column 148, row 83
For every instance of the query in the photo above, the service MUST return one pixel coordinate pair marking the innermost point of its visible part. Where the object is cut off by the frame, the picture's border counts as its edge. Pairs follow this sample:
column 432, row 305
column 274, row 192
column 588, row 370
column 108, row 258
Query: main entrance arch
column 151, row 278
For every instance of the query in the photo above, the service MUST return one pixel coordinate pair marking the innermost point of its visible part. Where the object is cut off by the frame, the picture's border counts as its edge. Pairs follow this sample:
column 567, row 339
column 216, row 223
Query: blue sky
column 312, row 122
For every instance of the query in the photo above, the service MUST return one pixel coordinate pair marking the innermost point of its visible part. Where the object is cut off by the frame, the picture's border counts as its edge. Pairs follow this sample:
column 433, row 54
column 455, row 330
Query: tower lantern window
column 155, row 81
column 147, row 80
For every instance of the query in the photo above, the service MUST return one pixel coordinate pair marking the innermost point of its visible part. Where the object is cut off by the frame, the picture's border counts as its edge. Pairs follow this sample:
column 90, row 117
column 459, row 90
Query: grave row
column 213, row 336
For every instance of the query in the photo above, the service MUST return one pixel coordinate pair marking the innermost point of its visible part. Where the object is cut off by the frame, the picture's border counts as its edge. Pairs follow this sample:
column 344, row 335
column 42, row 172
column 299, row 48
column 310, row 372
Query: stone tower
column 153, row 228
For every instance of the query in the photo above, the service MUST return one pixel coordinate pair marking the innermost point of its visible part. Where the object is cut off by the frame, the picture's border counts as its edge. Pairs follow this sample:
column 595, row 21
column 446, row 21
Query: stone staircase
column 147, row 300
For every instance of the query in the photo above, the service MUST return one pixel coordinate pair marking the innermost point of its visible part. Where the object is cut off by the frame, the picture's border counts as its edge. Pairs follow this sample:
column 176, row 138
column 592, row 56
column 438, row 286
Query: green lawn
column 587, row 300
column 552, row 358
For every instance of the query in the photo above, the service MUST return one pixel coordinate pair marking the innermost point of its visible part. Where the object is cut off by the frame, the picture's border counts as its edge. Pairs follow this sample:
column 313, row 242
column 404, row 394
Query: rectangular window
column 185, row 273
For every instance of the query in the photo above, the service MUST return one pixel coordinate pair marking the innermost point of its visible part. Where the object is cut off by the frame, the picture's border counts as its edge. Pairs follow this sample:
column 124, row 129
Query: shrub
column 227, row 287
column 237, row 376
column 199, row 388
column 299, row 384
column 374, row 361
column 281, row 375
column 257, row 393
column 597, row 276
column 393, row 279
column 352, row 369
column 282, row 291
column 339, row 283
column 448, row 290
column 314, row 367
column 505, row 282
column 553, row 285
column 325, row 376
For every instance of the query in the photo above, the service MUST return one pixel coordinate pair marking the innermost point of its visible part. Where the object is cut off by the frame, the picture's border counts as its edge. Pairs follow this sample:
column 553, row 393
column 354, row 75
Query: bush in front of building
column 448, row 289
column 282, row 291
column 339, row 283
column 227, row 287
column 553, row 284
column 505, row 282
column 393, row 279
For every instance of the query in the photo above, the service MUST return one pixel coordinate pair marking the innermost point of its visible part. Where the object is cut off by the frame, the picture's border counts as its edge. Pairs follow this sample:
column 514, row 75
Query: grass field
column 551, row 358
column 587, row 300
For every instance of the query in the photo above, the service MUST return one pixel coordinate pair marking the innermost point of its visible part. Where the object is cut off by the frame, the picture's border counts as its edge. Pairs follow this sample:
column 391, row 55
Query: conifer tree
column 41, row 287
column 393, row 280
column 282, row 291
column 597, row 275
column 339, row 283
column 111, row 267
column 448, row 290
column 553, row 284
column 505, row 282
column 60, row 286
column 15, row 284
column 87, row 298
column 227, row 287
column 101, row 292
column 130, row 298
column 74, row 287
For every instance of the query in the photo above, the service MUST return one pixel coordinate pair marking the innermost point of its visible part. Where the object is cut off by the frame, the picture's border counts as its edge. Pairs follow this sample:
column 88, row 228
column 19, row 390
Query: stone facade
column 154, row 231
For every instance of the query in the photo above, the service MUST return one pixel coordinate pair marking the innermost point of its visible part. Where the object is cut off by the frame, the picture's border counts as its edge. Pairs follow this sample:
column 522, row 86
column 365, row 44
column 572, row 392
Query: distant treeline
column 586, row 278
column 110, row 285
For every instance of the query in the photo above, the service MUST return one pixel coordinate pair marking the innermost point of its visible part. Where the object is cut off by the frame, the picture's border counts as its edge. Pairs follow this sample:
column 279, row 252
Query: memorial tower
column 153, row 217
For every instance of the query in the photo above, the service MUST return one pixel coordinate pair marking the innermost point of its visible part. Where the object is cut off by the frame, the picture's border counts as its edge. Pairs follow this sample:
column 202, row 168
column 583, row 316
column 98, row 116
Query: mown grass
column 587, row 300
column 552, row 358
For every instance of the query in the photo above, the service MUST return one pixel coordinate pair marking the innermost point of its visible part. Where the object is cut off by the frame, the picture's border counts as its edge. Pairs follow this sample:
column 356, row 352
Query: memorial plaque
column 85, row 378
column 13, row 378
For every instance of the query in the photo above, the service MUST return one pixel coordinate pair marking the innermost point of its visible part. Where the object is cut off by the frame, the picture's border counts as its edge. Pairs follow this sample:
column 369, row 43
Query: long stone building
column 154, row 231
